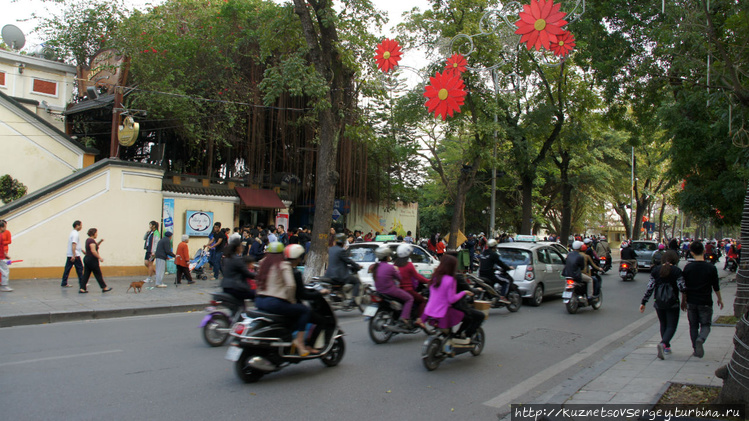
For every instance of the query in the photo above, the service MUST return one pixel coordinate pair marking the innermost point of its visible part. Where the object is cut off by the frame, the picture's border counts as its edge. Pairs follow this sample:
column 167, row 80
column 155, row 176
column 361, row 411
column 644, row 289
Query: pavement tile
column 631, row 398
column 607, row 383
column 597, row 396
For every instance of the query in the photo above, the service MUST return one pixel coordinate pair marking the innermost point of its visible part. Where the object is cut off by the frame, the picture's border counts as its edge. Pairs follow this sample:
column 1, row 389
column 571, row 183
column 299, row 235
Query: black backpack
column 665, row 297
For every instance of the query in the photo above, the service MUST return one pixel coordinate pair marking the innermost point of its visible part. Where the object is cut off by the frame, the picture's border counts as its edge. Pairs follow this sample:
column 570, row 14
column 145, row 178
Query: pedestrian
column 91, row 263
column 163, row 252
column 697, row 300
column 216, row 247
column 666, row 280
column 5, row 239
column 151, row 238
column 73, row 255
column 182, row 260
column 331, row 237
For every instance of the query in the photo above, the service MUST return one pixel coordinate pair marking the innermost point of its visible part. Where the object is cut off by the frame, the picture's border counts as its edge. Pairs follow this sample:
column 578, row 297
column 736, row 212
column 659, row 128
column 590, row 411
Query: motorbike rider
column 576, row 266
column 410, row 279
column 603, row 248
column 236, row 273
column 592, row 263
column 294, row 254
column 487, row 261
column 658, row 255
column 709, row 251
column 340, row 267
column 732, row 253
column 589, row 249
column 628, row 255
column 385, row 277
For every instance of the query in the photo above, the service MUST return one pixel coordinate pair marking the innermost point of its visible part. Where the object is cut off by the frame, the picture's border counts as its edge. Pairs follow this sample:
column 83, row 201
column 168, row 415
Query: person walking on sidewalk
column 163, row 252
column 5, row 239
column 151, row 239
column 697, row 300
column 73, row 255
column 91, row 263
column 182, row 260
column 666, row 280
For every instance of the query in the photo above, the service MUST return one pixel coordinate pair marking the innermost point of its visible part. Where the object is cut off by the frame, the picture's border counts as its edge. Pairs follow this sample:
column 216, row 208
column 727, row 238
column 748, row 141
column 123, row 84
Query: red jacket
column 183, row 255
column 4, row 241
column 410, row 277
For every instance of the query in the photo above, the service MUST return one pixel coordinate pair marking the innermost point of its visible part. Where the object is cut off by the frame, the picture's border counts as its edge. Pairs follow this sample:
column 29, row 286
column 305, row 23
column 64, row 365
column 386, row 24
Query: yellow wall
column 222, row 208
column 117, row 200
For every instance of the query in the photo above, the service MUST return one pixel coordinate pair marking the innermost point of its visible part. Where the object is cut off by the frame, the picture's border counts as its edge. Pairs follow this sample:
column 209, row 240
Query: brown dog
column 136, row 286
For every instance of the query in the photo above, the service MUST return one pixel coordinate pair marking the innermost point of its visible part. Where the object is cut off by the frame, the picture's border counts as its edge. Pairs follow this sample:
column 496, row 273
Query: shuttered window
column 2, row 78
column 45, row 87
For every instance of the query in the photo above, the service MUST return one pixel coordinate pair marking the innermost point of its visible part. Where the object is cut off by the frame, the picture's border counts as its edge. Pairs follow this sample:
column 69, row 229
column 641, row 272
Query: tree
column 11, row 189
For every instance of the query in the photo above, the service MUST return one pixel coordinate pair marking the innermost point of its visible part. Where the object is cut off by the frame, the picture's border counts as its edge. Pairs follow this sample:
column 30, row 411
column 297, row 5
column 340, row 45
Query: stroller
column 197, row 263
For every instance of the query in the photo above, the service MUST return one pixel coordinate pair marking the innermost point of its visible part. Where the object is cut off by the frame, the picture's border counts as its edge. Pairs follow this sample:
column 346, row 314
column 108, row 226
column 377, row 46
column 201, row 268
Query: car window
column 556, row 258
column 515, row 257
column 362, row 254
column 543, row 256
column 419, row 256
column 644, row 246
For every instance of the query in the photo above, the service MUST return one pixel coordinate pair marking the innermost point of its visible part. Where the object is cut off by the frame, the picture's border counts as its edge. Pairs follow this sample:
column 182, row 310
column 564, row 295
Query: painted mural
column 375, row 218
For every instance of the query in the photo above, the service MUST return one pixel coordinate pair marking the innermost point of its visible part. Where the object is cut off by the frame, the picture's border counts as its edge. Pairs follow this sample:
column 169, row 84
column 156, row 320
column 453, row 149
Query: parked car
column 538, row 269
column 644, row 250
column 363, row 254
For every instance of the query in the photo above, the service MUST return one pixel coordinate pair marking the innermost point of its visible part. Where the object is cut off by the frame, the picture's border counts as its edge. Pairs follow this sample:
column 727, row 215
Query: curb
column 72, row 316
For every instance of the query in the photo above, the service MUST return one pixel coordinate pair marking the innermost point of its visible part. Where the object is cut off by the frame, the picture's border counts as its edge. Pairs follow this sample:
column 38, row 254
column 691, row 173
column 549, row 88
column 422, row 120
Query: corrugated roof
column 199, row 190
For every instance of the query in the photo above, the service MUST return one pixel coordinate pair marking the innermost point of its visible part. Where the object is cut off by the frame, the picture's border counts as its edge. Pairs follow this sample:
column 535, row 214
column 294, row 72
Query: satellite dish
column 129, row 132
column 13, row 37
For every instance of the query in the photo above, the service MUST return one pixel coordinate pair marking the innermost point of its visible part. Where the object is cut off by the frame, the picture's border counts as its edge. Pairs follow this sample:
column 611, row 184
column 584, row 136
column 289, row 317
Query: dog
column 136, row 286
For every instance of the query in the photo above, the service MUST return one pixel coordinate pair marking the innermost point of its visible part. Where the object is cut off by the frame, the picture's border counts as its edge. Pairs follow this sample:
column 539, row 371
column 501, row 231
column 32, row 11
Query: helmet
column 602, row 238
column 383, row 252
column 584, row 247
column 577, row 245
column 404, row 250
column 491, row 243
column 587, row 241
column 340, row 238
column 275, row 247
column 661, row 247
column 625, row 244
column 293, row 251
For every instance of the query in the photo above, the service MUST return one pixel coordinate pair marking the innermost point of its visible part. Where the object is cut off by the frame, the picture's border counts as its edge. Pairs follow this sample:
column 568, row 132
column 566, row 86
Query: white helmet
column 491, row 243
column 404, row 250
column 382, row 252
column 587, row 241
column 577, row 245
column 293, row 251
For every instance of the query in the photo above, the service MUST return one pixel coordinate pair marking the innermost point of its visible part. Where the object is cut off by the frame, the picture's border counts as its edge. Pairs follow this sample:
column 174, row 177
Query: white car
column 363, row 254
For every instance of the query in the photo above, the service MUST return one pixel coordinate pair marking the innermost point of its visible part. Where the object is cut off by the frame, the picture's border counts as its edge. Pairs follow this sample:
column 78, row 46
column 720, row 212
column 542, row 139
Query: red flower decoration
column 564, row 44
column 446, row 94
column 388, row 55
column 540, row 23
column 456, row 65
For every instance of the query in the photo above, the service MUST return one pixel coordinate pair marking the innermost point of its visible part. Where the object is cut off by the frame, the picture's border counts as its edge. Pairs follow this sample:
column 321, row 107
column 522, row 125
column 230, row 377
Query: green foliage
column 11, row 189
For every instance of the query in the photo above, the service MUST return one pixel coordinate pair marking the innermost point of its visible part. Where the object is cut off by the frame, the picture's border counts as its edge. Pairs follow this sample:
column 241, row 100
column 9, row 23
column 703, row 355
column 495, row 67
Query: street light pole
column 492, row 212
column 632, row 198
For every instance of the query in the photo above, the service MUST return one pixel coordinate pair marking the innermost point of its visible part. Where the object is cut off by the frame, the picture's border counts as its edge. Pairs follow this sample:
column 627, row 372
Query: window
column 362, row 254
column 515, row 257
column 44, row 87
column 2, row 78
column 419, row 256
column 556, row 258
column 543, row 256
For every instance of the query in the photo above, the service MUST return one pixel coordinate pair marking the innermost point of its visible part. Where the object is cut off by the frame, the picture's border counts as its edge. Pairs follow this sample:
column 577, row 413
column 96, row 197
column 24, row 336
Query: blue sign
column 168, row 216
column 336, row 214
column 198, row 223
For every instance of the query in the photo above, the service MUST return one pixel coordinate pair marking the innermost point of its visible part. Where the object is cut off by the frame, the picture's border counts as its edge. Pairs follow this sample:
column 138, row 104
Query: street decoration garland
column 540, row 26
column 446, row 93
column 388, row 55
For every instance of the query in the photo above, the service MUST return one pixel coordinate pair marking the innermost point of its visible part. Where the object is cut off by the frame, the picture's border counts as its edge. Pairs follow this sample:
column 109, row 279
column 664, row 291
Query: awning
column 256, row 198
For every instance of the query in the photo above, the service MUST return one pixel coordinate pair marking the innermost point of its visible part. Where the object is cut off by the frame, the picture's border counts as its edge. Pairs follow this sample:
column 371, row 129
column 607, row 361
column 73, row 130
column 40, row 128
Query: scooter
column 731, row 265
column 341, row 296
column 440, row 346
column 604, row 262
column 627, row 271
column 262, row 341
column 217, row 324
column 575, row 296
column 491, row 293
column 712, row 257
column 383, row 315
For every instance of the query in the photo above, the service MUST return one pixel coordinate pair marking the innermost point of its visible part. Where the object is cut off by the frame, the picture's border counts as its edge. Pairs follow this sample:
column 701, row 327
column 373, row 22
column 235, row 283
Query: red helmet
column 584, row 247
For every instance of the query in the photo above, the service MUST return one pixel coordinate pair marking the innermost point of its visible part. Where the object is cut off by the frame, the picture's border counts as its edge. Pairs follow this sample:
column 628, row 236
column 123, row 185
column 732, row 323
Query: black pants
column 183, row 271
column 669, row 319
column 69, row 265
column 700, row 321
column 91, row 265
column 472, row 318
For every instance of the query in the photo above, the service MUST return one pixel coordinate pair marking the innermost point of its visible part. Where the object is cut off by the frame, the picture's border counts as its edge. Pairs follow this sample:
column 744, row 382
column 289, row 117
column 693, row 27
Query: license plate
column 370, row 311
column 622, row 273
column 567, row 294
column 233, row 353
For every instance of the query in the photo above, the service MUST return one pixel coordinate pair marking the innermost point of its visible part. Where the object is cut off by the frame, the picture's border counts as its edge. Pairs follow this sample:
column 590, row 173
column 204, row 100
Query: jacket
column 236, row 274
column 280, row 283
column 575, row 265
column 440, row 303
column 339, row 263
column 410, row 278
column 183, row 255
column 164, row 248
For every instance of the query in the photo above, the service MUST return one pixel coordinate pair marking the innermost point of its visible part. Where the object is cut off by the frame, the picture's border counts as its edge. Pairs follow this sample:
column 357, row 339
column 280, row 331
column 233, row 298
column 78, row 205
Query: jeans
column 69, row 265
column 278, row 306
column 216, row 262
column 669, row 319
column 700, row 318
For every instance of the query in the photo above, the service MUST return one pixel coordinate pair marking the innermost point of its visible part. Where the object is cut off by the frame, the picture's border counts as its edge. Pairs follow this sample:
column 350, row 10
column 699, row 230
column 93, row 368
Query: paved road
column 157, row 367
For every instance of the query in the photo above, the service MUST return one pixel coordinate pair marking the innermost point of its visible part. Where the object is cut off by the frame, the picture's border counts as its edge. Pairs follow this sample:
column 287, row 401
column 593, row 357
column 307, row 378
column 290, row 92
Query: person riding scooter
column 487, row 261
column 591, row 262
column 385, row 277
column 576, row 265
column 628, row 255
column 340, row 266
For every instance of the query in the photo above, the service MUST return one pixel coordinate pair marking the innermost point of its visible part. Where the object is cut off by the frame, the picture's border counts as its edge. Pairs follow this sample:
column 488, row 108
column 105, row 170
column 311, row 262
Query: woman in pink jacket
column 443, row 294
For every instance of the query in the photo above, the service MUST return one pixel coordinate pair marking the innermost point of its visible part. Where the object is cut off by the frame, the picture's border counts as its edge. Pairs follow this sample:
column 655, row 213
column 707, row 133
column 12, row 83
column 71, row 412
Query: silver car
column 644, row 250
column 363, row 254
column 538, row 269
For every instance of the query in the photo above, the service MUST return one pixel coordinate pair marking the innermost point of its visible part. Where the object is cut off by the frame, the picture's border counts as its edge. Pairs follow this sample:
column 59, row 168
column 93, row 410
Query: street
column 158, row 367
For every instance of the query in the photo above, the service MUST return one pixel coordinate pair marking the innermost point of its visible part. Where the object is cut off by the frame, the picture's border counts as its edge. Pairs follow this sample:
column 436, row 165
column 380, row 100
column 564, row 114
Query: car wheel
column 538, row 296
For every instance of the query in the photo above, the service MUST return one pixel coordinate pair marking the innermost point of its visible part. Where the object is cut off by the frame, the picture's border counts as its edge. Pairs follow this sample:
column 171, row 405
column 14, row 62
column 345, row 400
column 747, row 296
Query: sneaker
column 461, row 341
column 6, row 289
column 161, row 286
column 667, row 351
column 147, row 280
column 504, row 300
column 661, row 348
column 190, row 282
column 149, row 288
column 699, row 349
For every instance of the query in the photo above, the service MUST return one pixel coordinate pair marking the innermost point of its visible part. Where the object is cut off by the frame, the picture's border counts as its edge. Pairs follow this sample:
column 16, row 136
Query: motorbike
column 731, row 265
column 217, row 324
column 604, row 262
column 262, row 341
column 440, row 346
column 575, row 296
column 712, row 257
column 383, row 315
column 491, row 293
column 627, row 271
column 341, row 296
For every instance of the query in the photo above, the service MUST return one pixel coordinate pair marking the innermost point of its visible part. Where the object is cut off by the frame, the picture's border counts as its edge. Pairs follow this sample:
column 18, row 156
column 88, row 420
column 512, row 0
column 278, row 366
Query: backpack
column 665, row 297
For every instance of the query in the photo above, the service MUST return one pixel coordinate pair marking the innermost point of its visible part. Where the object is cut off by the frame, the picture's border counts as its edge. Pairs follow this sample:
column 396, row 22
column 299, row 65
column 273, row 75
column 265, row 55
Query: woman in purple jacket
column 385, row 277
column 443, row 294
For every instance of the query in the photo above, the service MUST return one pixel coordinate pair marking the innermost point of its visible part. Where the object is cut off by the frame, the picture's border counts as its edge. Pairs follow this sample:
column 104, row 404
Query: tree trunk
column 525, row 224
column 673, row 227
column 660, row 219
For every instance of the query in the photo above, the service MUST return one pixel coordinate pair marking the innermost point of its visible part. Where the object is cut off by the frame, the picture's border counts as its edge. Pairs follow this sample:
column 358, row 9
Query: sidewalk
column 37, row 301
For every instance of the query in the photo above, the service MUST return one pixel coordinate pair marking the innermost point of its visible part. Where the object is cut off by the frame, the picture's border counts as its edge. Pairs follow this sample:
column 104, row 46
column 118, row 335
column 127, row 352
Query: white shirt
column 74, row 238
column 272, row 238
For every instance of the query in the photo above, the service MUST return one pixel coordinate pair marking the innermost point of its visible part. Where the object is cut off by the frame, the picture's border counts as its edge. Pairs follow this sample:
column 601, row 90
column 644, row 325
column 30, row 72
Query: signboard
column 526, row 238
column 168, row 216
column 198, row 223
column 336, row 214
column 386, row 238
column 282, row 220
